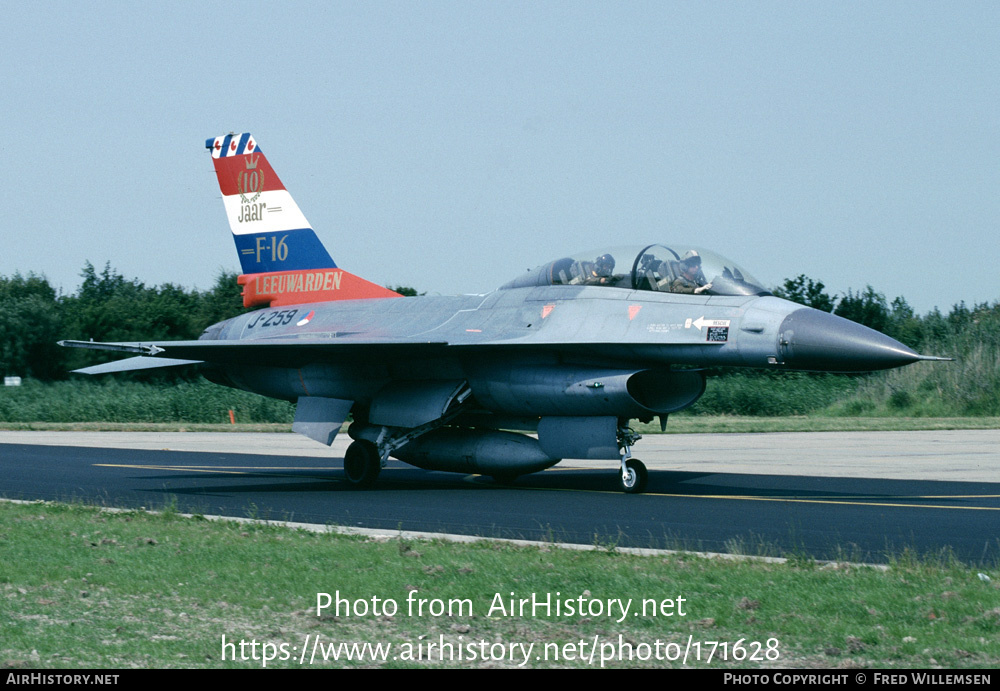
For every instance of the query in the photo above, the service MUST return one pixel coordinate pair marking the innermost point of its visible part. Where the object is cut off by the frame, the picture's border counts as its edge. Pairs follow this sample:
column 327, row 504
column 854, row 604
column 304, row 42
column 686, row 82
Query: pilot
column 691, row 280
column 601, row 271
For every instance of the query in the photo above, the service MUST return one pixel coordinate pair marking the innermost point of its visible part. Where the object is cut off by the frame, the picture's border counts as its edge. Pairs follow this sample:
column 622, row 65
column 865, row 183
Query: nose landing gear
column 633, row 475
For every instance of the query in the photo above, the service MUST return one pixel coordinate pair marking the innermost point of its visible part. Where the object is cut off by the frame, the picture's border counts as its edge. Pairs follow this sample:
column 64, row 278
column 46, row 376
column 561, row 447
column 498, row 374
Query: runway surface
column 836, row 495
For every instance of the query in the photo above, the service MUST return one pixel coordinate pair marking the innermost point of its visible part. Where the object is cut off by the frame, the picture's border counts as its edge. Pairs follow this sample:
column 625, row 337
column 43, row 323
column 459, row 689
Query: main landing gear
column 633, row 475
column 362, row 464
column 366, row 457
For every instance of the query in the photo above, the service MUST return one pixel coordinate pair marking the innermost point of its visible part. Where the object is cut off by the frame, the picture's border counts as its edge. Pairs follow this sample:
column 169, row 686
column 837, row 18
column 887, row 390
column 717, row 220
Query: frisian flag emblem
column 234, row 145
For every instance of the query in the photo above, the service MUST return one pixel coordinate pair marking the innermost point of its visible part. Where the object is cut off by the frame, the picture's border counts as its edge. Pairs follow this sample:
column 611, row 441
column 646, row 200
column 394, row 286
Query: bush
column 112, row 400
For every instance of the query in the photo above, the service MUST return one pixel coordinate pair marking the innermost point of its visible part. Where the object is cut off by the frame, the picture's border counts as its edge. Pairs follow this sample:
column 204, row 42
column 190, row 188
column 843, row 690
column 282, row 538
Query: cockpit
column 661, row 268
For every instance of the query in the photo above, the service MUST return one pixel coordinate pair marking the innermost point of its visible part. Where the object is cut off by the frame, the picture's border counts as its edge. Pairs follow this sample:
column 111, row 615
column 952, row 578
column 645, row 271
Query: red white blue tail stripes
column 270, row 231
column 283, row 261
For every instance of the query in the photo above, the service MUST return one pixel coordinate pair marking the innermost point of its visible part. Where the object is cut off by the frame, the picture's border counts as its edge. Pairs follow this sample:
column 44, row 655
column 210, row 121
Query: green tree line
column 897, row 318
column 106, row 307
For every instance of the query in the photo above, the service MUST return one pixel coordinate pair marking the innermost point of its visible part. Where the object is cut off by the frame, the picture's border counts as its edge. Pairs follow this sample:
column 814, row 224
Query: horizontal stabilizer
column 275, row 353
column 135, row 363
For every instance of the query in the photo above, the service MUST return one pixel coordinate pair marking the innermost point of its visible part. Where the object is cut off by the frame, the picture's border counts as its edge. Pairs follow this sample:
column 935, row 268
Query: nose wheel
column 633, row 477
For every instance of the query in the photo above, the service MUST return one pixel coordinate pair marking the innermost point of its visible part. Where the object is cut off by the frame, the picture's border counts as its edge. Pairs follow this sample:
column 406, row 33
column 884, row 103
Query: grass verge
column 85, row 588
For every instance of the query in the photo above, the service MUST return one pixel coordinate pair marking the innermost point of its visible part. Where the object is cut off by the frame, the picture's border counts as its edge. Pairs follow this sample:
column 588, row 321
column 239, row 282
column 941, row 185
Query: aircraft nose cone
column 814, row 340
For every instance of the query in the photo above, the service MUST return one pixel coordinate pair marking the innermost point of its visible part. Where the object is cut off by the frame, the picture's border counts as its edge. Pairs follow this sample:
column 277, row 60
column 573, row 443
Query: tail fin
column 283, row 261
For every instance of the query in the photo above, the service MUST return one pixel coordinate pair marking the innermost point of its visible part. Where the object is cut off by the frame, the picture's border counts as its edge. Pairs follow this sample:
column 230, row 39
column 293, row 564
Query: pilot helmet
column 604, row 265
column 692, row 258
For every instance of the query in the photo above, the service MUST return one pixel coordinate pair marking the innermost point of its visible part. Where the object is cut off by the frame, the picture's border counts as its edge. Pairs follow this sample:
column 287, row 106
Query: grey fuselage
column 511, row 344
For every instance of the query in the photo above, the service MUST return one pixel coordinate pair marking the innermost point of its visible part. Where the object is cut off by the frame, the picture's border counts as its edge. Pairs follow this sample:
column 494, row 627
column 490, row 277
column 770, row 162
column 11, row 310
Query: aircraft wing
column 298, row 352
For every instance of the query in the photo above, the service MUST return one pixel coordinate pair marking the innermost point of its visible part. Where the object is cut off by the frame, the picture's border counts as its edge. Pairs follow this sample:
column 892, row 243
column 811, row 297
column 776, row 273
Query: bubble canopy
column 659, row 267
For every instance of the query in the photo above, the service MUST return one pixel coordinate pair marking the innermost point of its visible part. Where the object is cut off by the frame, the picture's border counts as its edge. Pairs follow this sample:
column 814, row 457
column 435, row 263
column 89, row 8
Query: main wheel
column 362, row 464
column 633, row 479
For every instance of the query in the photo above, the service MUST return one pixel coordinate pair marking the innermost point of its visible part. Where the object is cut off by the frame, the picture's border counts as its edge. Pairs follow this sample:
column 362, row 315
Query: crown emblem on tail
column 250, row 181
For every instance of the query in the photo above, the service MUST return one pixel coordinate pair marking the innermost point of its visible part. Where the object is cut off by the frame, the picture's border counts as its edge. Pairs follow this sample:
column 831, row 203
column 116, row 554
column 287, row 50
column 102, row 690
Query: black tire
column 504, row 478
column 362, row 464
column 636, row 477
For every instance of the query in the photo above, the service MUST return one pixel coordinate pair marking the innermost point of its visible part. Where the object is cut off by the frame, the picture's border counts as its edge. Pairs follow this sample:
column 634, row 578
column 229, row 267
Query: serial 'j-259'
column 569, row 352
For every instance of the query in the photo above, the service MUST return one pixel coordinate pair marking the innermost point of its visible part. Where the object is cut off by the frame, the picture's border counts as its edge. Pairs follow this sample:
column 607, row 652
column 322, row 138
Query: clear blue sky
column 451, row 145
